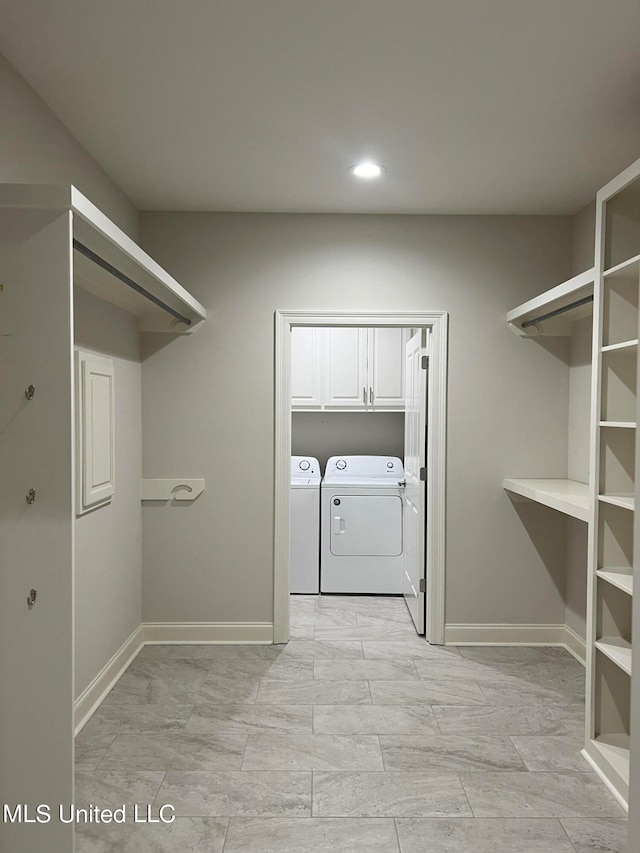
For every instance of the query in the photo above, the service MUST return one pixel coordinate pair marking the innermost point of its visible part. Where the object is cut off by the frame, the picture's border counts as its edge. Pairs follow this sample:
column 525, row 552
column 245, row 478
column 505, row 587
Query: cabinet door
column 306, row 368
column 345, row 368
column 386, row 368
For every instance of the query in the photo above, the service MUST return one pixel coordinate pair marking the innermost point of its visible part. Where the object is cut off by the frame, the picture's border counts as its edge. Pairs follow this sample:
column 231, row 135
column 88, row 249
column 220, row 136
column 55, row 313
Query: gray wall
column 325, row 434
column 208, row 399
column 36, row 148
column 108, row 578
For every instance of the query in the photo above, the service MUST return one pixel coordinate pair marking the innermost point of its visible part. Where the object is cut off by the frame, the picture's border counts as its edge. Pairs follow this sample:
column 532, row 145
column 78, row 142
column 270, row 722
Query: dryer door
column 366, row 525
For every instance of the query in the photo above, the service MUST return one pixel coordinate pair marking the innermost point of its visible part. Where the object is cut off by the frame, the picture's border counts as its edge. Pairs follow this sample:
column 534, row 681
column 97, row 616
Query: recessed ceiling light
column 367, row 169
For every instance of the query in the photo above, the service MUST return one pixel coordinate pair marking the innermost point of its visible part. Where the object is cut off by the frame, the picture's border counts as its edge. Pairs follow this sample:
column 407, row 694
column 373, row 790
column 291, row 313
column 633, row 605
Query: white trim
column 92, row 696
column 575, row 645
column 152, row 633
column 602, row 775
column 208, row 632
column 436, row 534
column 516, row 635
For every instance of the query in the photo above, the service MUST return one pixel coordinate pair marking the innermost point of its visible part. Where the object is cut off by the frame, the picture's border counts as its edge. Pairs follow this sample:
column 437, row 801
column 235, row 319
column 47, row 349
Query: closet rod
column 84, row 250
column 555, row 313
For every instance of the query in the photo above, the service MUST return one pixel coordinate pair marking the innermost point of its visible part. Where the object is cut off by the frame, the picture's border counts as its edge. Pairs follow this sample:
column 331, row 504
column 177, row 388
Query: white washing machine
column 305, row 525
column 361, row 531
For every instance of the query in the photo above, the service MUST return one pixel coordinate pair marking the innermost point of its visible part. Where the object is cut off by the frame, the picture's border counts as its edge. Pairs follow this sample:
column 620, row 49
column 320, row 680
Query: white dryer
column 304, row 554
column 361, row 531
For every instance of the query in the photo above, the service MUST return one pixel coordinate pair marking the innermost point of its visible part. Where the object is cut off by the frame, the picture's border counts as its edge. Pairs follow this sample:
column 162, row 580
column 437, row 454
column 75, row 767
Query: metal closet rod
column 84, row 250
column 555, row 313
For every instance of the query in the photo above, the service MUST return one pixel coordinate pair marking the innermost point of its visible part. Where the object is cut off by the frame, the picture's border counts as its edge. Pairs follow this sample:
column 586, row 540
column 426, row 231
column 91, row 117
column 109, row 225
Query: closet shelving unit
column 108, row 263
column 613, row 462
column 553, row 313
column 52, row 238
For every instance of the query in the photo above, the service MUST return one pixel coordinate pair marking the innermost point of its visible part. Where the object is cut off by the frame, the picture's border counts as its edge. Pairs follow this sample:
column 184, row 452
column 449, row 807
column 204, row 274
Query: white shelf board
column 104, row 238
column 578, row 287
column 617, row 650
column 615, row 749
column 619, row 424
column 567, row 496
column 618, row 577
column 624, row 501
column 626, row 347
column 626, row 269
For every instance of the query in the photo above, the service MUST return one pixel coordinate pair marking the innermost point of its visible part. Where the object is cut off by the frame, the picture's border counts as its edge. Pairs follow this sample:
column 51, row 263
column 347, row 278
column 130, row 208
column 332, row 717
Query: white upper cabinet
column 306, row 367
column 386, row 359
column 345, row 368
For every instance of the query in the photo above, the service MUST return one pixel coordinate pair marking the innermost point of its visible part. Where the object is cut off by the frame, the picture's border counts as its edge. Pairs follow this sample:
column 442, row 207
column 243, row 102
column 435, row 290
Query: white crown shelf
column 576, row 289
column 100, row 247
column 566, row 496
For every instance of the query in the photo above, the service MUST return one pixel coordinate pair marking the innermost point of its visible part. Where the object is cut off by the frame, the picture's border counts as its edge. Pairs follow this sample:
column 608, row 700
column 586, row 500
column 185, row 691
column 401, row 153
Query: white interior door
column 415, row 445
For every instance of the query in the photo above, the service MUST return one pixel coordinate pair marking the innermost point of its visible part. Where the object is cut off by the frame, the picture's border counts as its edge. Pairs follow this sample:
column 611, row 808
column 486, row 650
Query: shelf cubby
column 613, row 625
column 622, row 225
column 620, row 304
column 619, row 378
column 617, row 461
column 615, row 542
column 613, row 701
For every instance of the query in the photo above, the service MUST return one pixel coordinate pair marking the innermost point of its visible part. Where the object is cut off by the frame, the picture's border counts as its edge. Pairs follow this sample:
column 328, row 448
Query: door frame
column 438, row 322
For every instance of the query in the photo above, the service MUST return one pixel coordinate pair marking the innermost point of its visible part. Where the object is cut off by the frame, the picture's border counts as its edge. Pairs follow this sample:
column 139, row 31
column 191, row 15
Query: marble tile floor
column 356, row 736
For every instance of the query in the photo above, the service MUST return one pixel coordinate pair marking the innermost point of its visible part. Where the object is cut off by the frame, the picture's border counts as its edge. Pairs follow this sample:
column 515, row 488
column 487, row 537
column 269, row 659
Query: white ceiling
column 473, row 106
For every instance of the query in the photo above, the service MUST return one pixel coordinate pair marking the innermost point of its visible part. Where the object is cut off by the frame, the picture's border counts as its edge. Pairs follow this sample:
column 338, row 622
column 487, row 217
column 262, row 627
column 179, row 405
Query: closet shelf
column 617, row 650
column 619, row 424
column 618, row 577
column 561, row 299
column 624, row 269
column 567, row 496
column 614, row 748
column 624, row 347
column 107, row 262
column 623, row 501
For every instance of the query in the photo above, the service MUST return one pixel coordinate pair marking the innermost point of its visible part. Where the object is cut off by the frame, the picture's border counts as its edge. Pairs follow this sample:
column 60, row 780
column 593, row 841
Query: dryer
column 361, row 531
column 304, row 553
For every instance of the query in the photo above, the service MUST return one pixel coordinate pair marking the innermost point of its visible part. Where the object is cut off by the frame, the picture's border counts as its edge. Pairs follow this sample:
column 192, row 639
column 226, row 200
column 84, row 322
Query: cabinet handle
column 370, row 396
column 364, row 395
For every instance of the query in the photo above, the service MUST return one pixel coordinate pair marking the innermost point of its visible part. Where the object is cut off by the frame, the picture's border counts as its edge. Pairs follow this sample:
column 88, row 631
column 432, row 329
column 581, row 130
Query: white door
column 36, row 535
column 345, row 368
column 306, row 367
column 386, row 368
column 415, row 446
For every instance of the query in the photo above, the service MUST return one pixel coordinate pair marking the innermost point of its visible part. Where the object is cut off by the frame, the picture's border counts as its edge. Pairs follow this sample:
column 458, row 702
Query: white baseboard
column 92, row 696
column 575, row 645
column 149, row 633
column 208, row 632
column 516, row 635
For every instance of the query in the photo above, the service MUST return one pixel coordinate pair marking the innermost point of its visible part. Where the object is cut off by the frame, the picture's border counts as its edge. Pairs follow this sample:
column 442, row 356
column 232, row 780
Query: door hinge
column 423, row 585
column 423, row 474
column 425, row 362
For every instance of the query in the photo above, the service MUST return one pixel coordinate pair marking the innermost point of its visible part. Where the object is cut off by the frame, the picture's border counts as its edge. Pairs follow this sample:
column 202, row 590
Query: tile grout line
column 226, row 833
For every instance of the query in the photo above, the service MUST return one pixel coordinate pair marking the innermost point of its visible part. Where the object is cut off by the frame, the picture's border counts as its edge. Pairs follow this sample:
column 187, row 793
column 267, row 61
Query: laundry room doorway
column 349, row 363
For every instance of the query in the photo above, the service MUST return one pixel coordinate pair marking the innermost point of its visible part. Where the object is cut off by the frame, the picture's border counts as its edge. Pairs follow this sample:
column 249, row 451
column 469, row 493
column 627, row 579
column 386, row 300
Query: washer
column 361, row 530
column 305, row 526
